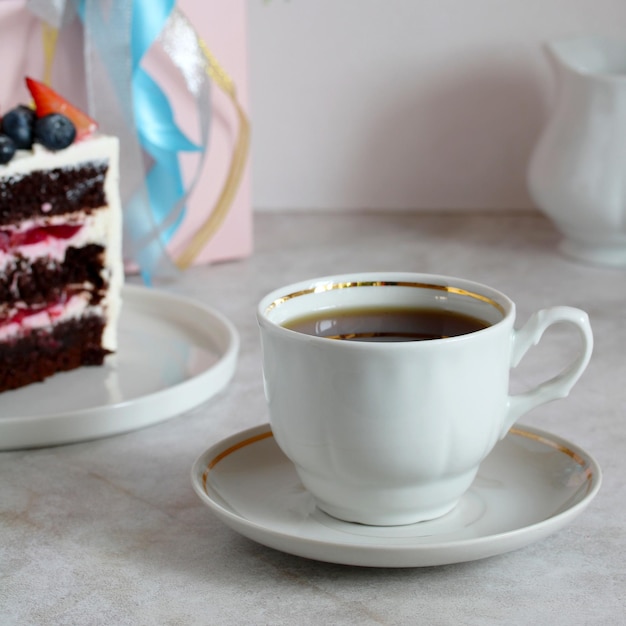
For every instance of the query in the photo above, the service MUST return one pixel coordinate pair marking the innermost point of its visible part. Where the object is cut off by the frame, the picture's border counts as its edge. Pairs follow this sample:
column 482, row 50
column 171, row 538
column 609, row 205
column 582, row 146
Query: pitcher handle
column 560, row 385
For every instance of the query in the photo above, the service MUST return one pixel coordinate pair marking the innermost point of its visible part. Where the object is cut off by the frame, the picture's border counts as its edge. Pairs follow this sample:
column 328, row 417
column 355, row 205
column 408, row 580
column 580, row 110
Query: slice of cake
column 61, row 266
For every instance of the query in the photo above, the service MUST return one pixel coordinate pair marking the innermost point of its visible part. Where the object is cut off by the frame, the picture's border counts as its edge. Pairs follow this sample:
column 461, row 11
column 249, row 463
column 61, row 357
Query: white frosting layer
column 103, row 226
column 94, row 148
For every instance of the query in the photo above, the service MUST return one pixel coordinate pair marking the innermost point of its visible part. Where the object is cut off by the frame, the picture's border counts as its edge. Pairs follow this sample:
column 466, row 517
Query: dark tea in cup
column 386, row 324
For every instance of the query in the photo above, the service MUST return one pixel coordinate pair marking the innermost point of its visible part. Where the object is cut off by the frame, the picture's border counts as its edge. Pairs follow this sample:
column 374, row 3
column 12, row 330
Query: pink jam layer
column 23, row 319
column 10, row 240
column 18, row 316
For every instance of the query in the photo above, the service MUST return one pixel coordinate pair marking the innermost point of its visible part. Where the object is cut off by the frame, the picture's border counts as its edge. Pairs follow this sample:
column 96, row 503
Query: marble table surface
column 110, row 531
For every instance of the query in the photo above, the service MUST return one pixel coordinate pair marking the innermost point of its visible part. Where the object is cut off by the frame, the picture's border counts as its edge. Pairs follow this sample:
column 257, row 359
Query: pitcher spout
column 591, row 56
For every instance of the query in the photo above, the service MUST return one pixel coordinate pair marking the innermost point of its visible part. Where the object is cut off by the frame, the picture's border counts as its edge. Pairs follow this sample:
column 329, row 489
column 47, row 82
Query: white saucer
column 173, row 355
column 532, row 484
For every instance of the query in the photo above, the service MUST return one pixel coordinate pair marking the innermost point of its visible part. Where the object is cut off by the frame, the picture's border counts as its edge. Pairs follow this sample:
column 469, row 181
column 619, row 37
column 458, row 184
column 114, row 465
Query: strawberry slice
column 49, row 101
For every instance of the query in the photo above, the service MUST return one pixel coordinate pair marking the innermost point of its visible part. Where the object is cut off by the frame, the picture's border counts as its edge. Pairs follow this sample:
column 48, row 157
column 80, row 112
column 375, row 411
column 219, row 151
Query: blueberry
column 18, row 124
column 54, row 131
column 7, row 149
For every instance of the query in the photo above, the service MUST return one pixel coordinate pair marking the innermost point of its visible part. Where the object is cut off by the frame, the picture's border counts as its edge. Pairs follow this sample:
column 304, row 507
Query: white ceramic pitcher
column 577, row 172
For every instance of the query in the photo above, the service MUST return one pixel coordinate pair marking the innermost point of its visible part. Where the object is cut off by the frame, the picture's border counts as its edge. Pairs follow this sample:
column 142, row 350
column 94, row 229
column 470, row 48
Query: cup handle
column 559, row 386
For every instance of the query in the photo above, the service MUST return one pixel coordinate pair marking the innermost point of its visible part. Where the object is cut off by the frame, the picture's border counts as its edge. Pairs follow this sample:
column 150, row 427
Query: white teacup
column 393, row 433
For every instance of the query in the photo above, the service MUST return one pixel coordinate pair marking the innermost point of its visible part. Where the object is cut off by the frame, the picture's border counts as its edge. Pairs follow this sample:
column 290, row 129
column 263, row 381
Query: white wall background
column 404, row 104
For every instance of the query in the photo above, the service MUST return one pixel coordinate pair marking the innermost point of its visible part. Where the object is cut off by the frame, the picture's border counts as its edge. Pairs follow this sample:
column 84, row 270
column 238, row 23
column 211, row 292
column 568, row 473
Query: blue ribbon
column 157, row 130
column 117, row 36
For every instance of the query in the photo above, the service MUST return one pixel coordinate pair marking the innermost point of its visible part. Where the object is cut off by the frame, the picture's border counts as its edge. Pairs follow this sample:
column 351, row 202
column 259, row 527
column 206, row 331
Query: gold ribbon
column 50, row 36
column 237, row 166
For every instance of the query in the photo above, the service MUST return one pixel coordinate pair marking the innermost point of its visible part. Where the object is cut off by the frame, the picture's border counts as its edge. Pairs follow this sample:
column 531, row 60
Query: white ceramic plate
column 173, row 355
column 532, row 484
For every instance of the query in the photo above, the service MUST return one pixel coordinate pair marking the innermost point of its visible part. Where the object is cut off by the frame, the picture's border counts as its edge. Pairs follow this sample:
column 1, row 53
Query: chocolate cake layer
column 40, row 354
column 46, row 280
column 60, row 191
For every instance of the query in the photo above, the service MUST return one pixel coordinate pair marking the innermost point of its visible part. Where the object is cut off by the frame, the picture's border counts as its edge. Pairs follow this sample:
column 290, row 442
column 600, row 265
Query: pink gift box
column 222, row 27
